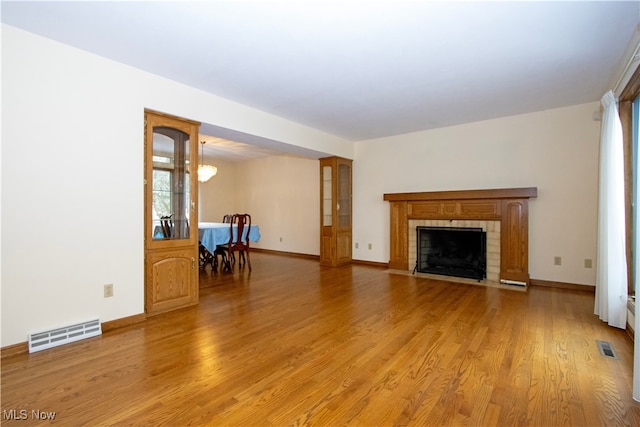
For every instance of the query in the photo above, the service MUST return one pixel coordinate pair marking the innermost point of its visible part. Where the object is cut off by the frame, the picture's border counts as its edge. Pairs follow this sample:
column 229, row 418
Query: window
column 161, row 193
column 635, row 262
column 629, row 107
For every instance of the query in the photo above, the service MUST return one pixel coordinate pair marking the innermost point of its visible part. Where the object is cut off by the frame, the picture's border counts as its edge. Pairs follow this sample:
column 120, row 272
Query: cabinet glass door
column 344, row 196
column 170, row 186
column 327, row 200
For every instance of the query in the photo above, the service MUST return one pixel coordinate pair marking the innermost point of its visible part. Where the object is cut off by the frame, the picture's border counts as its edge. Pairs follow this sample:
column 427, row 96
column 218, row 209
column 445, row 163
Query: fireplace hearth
column 452, row 251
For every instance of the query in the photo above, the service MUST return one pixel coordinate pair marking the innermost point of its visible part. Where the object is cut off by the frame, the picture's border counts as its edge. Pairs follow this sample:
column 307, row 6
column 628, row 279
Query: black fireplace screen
column 452, row 251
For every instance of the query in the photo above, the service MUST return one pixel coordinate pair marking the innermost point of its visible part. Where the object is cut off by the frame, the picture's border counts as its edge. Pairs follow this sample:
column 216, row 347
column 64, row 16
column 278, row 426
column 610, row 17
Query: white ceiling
column 359, row 69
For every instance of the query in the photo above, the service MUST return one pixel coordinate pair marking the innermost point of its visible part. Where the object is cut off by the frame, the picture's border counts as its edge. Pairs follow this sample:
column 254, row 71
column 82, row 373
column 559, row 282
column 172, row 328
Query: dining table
column 212, row 234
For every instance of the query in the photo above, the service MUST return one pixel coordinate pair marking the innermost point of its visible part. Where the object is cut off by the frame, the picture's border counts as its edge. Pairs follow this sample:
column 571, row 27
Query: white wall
column 556, row 151
column 72, row 170
column 281, row 193
column 216, row 197
column 283, row 196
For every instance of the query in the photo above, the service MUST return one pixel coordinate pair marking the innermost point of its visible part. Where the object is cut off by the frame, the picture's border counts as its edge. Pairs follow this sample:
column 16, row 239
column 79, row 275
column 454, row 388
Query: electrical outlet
column 281, row 239
column 369, row 245
column 356, row 245
column 588, row 263
column 108, row 290
column 557, row 260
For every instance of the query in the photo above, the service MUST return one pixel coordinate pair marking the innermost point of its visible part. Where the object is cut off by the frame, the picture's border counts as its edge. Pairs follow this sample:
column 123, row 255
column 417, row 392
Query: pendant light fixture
column 205, row 172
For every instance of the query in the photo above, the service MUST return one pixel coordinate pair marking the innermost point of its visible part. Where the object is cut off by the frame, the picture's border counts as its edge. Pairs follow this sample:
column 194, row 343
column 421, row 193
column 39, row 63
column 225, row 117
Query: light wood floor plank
column 293, row 343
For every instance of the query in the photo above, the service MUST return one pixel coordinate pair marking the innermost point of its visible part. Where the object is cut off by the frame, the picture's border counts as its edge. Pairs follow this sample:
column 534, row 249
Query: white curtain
column 611, row 275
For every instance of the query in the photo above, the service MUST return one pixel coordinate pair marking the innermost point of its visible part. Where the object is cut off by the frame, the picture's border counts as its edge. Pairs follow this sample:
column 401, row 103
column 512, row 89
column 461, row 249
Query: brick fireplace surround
column 505, row 212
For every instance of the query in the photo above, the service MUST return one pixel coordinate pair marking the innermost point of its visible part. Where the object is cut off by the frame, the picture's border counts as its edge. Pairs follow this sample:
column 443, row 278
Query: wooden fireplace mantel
column 507, row 205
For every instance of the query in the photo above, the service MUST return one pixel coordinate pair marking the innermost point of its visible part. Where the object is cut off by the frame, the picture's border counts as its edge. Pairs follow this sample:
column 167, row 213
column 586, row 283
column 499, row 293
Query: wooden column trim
column 510, row 206
column 399, row 245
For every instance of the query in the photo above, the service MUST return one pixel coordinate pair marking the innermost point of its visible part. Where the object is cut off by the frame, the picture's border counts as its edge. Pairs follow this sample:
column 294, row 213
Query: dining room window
column 163, row 192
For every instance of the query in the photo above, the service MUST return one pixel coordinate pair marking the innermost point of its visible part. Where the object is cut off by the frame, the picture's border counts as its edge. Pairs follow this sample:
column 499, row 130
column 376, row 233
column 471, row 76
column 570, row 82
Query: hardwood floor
column 293, row 343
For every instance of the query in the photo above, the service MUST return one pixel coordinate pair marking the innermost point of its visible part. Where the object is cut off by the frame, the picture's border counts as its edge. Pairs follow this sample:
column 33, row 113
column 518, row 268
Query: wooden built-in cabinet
column 509, row 206
column 335, row 211
column 171, row 215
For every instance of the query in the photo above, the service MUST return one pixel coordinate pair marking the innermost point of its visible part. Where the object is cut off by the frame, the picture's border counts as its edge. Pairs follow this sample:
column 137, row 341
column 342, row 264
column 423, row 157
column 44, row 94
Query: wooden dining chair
column 166, row 223
column 239, row 243
column 220, row 251
column 206, row 257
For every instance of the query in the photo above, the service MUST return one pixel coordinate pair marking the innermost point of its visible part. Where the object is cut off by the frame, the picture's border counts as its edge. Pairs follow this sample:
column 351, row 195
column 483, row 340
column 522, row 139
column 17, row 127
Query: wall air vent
column 55, row 337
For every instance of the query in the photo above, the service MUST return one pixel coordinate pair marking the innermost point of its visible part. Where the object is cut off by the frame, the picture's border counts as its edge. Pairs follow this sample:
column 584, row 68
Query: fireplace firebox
column 452, row 251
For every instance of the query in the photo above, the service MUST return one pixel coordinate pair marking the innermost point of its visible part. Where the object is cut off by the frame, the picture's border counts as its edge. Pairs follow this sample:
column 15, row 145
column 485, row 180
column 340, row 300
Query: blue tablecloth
column 212, row 234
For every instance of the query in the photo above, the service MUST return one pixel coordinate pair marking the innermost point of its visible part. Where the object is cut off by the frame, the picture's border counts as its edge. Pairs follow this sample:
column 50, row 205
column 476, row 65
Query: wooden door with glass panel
column 171, row 227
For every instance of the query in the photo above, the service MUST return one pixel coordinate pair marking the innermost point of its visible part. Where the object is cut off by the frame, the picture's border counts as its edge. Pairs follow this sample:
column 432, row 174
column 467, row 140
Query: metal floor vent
column 55, row 337
column 606, row 349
